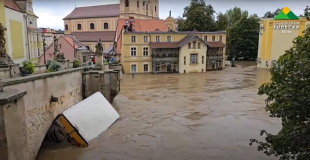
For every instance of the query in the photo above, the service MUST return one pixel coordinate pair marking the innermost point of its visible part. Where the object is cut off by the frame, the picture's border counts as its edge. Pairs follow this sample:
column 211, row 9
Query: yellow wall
column 139, row 12
column 98, row 22
column 16, row 29
column 185, row 52
column 127, row 60
column 2, row 18
column 274, row 42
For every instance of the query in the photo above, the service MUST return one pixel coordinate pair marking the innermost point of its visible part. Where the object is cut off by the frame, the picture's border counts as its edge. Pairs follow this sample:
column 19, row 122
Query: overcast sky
column 51, row 12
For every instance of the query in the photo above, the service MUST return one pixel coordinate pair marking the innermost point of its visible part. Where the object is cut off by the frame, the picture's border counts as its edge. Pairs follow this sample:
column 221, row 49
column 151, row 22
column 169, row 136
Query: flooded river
column 198, row 116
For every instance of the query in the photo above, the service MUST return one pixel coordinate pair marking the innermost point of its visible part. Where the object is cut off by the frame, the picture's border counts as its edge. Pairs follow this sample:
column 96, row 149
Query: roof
column 140, row 25
column 105, row 36
column 71, row 40
column 184, row 41
column 215, row 44
column 12, row 5
column 164, row 44
column 21, row 4
column 179, row 32
column 110, row 10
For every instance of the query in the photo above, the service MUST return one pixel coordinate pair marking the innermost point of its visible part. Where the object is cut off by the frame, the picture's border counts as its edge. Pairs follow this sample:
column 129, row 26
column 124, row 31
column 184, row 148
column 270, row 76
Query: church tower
column 139, row 9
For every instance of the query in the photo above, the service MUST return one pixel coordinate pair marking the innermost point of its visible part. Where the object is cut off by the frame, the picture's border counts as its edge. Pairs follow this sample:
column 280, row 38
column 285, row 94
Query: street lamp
column 44, row 47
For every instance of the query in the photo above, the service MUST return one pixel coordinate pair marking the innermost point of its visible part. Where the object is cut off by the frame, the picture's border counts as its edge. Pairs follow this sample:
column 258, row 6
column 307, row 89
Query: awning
column 215, row 44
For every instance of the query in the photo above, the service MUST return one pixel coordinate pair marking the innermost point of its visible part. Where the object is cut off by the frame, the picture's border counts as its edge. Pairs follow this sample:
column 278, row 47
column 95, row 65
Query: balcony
column 166, row 59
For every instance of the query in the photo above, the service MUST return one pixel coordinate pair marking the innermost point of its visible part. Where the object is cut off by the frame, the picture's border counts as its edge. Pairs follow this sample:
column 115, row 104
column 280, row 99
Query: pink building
column 68, row 45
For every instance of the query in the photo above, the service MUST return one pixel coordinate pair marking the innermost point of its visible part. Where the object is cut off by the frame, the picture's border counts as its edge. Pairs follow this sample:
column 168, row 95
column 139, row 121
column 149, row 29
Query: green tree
column 234, row 15
column 289, row 97
column 222, row 21
column 243, row 39
column 273, row 14
column 198, row 16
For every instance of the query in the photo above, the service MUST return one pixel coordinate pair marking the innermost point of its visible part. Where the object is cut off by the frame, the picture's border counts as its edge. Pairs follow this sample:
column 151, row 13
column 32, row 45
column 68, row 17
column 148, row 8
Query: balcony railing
column 166, row 59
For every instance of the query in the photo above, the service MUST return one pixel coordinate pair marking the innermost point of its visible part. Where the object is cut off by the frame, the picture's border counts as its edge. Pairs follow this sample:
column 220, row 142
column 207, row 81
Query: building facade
column 275, row 37
column 69, row 46
column 181, row 52
column 16, row 34
column 34, row 34
column 89, row 24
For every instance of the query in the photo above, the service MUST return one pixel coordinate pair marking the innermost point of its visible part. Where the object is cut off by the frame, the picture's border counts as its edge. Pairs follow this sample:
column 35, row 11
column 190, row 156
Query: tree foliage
column 272, row 14
column 196, row 15
column 243, row 38
column 289, row 92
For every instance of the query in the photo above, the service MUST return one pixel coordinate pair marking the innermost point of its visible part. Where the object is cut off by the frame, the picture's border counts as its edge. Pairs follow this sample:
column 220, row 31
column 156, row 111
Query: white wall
column 16, row 16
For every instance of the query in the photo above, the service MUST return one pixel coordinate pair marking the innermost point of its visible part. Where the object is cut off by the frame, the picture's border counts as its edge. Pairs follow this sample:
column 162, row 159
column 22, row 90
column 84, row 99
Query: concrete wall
column 39, row 112
column 16, row 39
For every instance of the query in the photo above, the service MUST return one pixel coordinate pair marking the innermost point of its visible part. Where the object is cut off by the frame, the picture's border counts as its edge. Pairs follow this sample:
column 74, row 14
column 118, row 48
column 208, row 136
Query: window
column 92, row 26
column 106, row 25
column 202, row 59
column 66, row 27
column 126, row 3
column 157, row 68
column 220, row 38
column 184, row 60
column 143, row 3
column 198, row 45
column 145, row 39
column 133, row 51
column 59, row 46
column 145, row 67
column 138, row 3
column 194, row 45
column 168, row 38
column 193, row 58
column 79, row 27
column 145, row 51
column 155, row 9
column 213, row 38
column 30, row 22
column 205, row 38
column 157, row 39
column 133, row 68
column 147, row 7
column 169, row 28
column 133, row 38
column 189, row 45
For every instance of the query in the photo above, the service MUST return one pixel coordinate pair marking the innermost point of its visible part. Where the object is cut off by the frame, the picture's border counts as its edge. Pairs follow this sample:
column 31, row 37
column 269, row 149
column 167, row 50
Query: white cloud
column 46, row 19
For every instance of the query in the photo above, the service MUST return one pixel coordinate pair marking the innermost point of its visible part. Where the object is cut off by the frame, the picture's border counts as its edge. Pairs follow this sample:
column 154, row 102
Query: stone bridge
column 26, row 109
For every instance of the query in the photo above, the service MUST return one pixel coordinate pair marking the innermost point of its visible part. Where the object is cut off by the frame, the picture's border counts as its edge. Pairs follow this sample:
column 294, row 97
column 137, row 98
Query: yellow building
column 276, row 36
column 16, row 32
column 90, row 23
column 34, row 34
column 163, row 51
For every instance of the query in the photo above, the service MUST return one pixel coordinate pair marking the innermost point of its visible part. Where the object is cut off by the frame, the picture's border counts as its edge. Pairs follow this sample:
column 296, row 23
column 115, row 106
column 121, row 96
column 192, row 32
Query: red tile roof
column 215, row 44
column 139, row 25
column 105, row 36
column 111, row 10
column 12, row 5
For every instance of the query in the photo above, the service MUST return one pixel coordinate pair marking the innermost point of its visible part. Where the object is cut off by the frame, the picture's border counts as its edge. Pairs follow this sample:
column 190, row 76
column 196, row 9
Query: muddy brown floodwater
column 198, row 116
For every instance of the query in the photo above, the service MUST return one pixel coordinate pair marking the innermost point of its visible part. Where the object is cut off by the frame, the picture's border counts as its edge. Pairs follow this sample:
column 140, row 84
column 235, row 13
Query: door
column 133, row 68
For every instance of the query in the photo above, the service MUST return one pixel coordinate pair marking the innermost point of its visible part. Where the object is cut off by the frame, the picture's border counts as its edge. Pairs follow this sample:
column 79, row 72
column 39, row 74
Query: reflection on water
column 202, row 116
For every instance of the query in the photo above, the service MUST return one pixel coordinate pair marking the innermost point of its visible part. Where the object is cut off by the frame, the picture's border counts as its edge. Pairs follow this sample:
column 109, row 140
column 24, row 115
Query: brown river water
column 197, row 116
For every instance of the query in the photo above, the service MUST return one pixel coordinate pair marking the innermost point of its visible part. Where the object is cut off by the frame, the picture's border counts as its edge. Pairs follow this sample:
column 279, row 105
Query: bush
column 76, row 63
column 53, row 66
column 28, row 67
